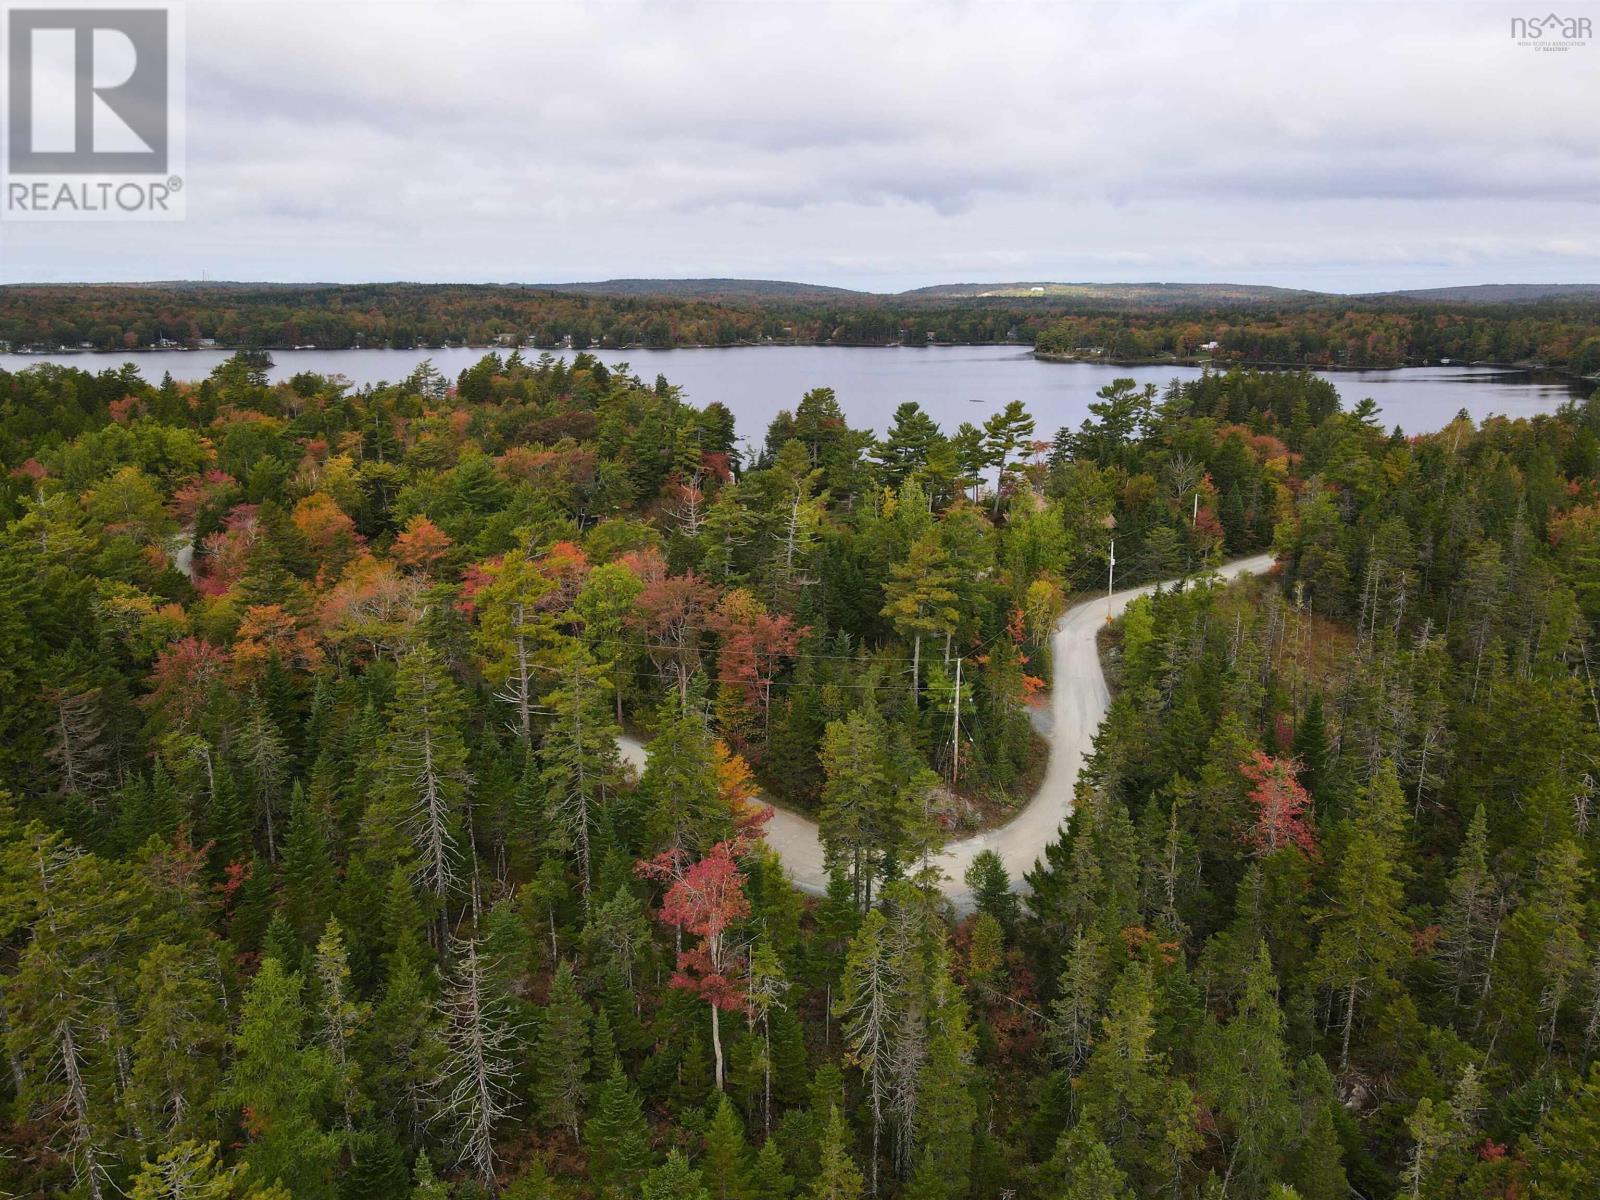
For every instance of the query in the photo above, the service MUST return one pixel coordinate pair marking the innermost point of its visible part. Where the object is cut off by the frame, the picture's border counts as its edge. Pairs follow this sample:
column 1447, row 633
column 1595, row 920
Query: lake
column 952, row 383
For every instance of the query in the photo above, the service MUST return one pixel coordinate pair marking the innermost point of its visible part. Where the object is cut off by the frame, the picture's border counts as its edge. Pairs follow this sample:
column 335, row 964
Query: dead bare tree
column 473, row 1088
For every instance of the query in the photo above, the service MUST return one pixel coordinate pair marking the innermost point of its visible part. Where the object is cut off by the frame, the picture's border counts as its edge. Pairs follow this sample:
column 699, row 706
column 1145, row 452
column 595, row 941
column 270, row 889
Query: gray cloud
column 871, row 144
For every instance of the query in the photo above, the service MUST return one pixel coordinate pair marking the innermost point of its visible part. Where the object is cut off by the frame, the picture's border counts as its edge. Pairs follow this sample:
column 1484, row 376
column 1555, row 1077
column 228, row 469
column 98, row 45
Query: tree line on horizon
column 1306, row 331
column 322, row 877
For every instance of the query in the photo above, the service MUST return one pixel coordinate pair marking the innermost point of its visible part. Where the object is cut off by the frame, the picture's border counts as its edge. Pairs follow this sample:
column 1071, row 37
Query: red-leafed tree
column 227, row 551
column 1280, row 804
column 705, row 900
column 755, row 645
column 566, row 566
column 182, row 679
column 421, row 545
column 672, row 614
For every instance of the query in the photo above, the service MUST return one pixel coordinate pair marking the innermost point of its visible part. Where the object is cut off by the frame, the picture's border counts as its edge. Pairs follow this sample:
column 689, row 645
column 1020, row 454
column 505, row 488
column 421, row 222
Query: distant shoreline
column 1043, row 356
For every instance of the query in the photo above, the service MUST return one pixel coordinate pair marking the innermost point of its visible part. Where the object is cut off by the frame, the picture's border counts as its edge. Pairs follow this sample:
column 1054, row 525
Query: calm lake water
column 953, row 384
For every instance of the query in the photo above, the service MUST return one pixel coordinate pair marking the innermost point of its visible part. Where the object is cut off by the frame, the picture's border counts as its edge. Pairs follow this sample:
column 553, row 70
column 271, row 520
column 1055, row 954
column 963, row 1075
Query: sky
column 1349, row 146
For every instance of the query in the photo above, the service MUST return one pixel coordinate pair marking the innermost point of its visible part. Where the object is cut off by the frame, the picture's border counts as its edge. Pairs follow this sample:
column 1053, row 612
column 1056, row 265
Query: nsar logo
column 1551, row 32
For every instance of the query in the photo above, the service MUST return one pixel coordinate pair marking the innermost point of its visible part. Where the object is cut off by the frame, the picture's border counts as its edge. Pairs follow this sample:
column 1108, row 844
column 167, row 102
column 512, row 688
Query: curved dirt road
column 1077, row 706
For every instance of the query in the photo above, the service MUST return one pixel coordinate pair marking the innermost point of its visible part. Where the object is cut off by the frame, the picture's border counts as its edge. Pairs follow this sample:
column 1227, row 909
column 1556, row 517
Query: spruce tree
column 1245, row 1073
column 1365, row 934
column 562, row 1053
column 674, row 1179
column 1081, row 1168
column 946, row 1118
column 282, row 1084
column 179, row 1034
column 616, row 1136
column 838, row 1178
column 768, row 1181
column 726, row 1165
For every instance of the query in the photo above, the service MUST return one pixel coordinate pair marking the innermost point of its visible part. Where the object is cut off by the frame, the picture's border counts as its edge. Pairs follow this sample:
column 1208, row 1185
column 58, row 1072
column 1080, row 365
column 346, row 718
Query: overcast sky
column 1343, row 146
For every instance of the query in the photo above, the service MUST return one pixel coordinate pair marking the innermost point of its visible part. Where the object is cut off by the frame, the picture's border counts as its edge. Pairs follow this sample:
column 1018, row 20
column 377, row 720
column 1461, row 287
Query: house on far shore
column 1211, row 347
column 207, row 343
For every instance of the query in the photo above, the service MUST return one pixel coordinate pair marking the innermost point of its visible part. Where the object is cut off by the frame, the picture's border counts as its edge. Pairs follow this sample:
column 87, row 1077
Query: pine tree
column 265, row 758
column 1567, row 1162
column 617, row 1137
column 1003, row 433
column 581, row 771
column 1544, row 935
column 602, row 1049
column 768, row 983
column 858, row 822
column 679, row 789
column 839, row 1177
column 1146, row 1118
column 308, row 876
column 281, row 1084
column 562, row 1054
column 178, row 1042
column 514, row 622
column 1443, row 1136
column 726, row 1168
column 428, row 1185
column 1311, row 746
column 402, row 1047
column 342, row 1015
column 404, row 930
column 1471, row 914
column 674, row 1179
column 767, row 1178
column 190, row 1171
column 1364, row 930
column 604, row 605
column 947, row 1115
column 1245, row 1072
column 1080, row 994
column 904, row 450
column 991, row 890
column 1081, row 1168
column 63, row 1041
column 921, row 598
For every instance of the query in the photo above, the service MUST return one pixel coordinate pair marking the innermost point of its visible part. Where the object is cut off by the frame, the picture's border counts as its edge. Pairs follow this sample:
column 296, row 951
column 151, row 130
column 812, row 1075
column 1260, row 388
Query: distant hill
column 1149, row 295
column 1152, row 295
column 1495, row 293
column 711, row 289
column 1156, row 295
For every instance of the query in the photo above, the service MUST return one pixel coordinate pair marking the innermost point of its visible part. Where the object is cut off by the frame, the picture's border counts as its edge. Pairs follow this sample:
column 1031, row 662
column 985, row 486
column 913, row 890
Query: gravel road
column 1077, row 705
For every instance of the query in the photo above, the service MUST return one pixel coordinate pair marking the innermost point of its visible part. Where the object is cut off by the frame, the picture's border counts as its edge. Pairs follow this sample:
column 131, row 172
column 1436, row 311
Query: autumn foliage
column 1280, row 806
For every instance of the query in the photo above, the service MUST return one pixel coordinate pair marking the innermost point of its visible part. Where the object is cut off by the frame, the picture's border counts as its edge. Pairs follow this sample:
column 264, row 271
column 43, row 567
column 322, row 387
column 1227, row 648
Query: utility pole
column 1195, row 518
column 955, row 731
column 1111, row 574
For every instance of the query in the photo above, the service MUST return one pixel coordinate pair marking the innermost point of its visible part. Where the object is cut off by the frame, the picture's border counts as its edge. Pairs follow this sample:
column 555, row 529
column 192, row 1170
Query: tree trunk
column 716, row 1042
column 1349, row 1022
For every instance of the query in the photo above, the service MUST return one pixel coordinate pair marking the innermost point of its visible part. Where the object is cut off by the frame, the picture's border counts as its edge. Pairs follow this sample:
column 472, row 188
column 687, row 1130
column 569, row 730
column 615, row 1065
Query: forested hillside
column 322, row 876
column 1130, row 322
